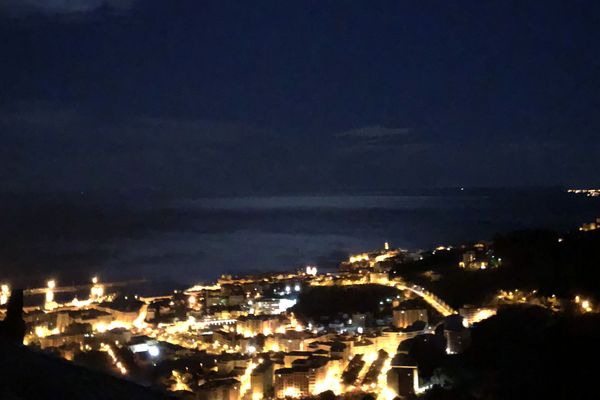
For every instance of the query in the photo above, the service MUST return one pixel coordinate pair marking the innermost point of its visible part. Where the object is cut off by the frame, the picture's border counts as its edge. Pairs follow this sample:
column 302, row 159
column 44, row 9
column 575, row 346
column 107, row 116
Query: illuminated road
column 438, row 304
column 434, row 301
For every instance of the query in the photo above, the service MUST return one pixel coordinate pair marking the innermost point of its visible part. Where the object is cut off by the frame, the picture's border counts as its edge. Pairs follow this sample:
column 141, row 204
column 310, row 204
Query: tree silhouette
column 12, row 329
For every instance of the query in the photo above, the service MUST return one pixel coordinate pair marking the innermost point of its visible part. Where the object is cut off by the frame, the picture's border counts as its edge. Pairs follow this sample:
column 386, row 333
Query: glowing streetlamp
column 97, row 290
column 51, row 285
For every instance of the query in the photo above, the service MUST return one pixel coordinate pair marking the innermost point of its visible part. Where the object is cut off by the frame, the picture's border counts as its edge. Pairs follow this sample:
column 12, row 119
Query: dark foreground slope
column 561, row 263
column 27, row 374
column 525, row 352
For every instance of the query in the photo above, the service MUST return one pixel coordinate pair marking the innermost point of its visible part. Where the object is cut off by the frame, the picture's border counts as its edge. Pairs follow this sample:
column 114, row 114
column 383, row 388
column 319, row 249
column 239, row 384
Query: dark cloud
column 374, row 132
column 377, row 138
column 19, row 8
column 219, row 97
column 67, row 150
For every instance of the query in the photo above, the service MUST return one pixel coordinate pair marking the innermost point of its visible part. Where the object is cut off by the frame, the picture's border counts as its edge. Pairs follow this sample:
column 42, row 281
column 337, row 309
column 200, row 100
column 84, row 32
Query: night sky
column 219, row 97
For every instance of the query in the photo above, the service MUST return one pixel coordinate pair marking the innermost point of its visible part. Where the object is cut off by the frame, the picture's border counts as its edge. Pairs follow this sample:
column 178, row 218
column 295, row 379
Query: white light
column 585, row 304
column 297, row 288
column 251, row 349
column 284, row 304
column 153, row 351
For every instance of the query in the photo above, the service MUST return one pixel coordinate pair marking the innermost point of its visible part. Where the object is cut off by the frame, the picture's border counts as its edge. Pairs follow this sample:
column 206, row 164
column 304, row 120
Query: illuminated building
column 330, row 348
column 339, row 350
column 380, row 278
column 253, row 325
column 403, row 317
column 272, row 306
column 213, row 298
column 119, row 335
column 290, row 341
column 473, row 315
column 97, row 290
column 143, row 344
column 4, row 294
column 316, row 370
column 226, row 338
column 457, row 340
column 403, row 376
column 590, row 226
column 467, row 258
column 359, row 258
column 99, row 320
column 371, row 376
column 226, row 363
column 292, row 356
column 75, row 334
column 235, row 299
column 39, row 317
column 350, row 374
column 261, row 380
column 457, row 336
column 363, row 346
column 123, row 310
column 587, row 192
column 389, row 339
column 221, row 389
column 228, row 312
column 292, row 382
column 472, row 261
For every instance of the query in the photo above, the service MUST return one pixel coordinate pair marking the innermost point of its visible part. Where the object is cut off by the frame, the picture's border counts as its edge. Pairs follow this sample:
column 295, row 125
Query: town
column 348, row 332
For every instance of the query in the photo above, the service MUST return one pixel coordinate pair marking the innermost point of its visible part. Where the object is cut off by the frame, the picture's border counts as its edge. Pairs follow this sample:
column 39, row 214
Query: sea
column 189, row 239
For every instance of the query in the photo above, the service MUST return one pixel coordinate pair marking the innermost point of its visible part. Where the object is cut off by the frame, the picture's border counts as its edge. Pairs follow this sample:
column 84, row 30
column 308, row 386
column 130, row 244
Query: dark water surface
column 187, row 239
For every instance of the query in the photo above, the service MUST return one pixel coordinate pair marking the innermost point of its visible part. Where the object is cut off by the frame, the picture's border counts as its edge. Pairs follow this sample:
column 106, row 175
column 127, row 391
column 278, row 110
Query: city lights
column 179, row 382
column 309, row 200
column 4, row 294
column 153, row 351
column 228, row 334
column 116, row 362
column 312, row 271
